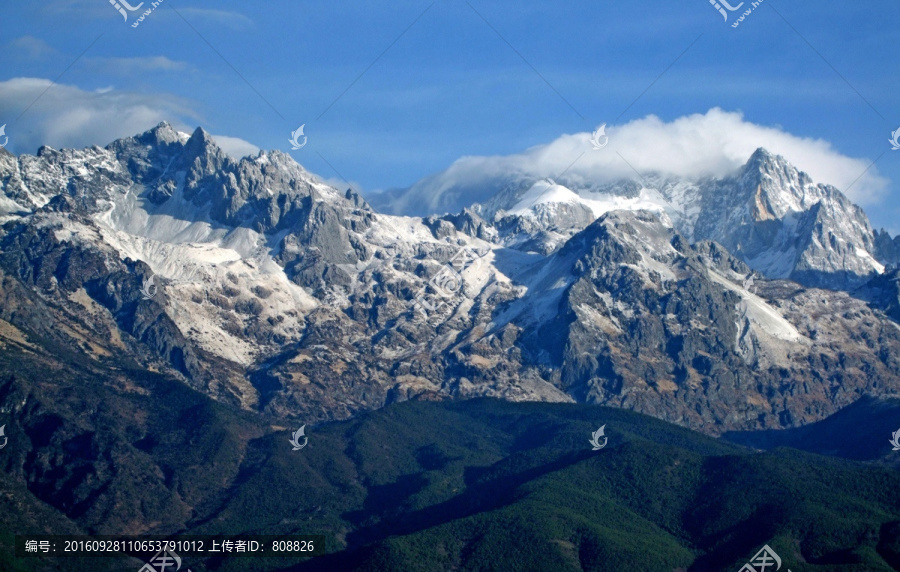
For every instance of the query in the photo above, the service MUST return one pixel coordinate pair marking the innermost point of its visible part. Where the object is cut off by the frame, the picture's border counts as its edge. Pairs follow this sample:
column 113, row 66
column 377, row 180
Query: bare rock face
column 260, row 286
column 883, row 292
column 887, row 249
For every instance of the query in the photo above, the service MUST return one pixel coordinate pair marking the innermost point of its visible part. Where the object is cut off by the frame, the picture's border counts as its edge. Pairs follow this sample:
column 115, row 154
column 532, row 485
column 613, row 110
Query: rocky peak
column 784, row 225
column 162, row 135
column 202, row 152
column 637, row 239
column 775, row 187
column 887, row 249
column 357, row 200
column 762, row 162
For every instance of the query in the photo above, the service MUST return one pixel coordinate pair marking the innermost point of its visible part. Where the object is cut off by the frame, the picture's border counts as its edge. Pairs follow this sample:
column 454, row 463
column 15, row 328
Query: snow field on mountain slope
column 206, row 265
column 879, row 268
column 201, row 276
column 760, row 313
column 547, row 193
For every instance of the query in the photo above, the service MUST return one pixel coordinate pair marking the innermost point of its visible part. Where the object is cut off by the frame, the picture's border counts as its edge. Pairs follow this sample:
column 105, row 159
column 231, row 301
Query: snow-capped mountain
column 768, row 213
column 258, row 284
column 784, row 225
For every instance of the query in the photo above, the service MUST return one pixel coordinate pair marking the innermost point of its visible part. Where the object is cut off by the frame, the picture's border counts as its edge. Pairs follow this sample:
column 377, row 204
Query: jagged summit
column 200, row 141
column 784, row 225
column 163, row 133
column 768, row 213
column 762, row 157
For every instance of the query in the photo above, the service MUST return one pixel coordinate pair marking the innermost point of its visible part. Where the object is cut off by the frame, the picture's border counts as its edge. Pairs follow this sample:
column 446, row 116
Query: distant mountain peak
column 764, row 164
column 162, row 126
column 162, row 135
column 762, row 155
column 201, row 140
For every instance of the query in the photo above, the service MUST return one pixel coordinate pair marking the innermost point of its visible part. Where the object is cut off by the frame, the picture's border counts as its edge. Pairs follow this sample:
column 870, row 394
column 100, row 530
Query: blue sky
column 392, row 92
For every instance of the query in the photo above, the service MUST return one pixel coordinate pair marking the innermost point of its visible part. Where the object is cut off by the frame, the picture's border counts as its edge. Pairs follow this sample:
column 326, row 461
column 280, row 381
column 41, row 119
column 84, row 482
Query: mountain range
column 170, row 315
column 756, row 301
column 768, row 213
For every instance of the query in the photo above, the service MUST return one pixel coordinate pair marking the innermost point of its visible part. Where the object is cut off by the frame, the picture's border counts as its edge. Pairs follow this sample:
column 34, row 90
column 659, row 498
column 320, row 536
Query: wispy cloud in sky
column 31, row 47
column 67, row 116
column 235, row 146
column 231, row 19
column 137, row 65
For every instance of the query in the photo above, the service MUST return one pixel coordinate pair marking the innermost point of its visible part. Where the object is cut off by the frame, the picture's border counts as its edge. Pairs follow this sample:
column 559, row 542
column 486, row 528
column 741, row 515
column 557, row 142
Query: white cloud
column 228, row 18
column 716, row 143
column 66, row 116
column 62, row 115
column 126, row 66
column 234, row 147
column 342, row 185
column 32, row 47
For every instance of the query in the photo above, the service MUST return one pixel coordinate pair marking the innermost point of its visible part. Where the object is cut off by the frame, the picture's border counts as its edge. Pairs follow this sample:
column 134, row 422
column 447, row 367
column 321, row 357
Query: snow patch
column 879, row 268
column 760, row 313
